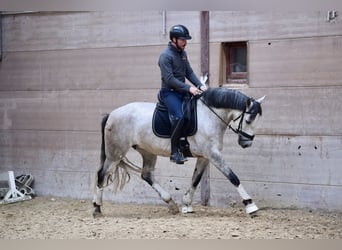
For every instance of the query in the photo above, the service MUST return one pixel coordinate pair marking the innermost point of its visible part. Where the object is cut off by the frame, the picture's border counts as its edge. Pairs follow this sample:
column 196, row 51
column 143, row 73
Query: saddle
column 161, row 122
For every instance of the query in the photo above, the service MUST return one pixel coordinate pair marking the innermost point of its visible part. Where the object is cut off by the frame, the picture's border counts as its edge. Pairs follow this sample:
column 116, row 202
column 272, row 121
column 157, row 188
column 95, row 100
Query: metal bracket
column 12, row 195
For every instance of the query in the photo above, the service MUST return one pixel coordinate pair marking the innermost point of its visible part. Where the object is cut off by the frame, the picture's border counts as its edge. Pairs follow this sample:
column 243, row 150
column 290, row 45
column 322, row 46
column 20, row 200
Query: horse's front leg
column 149, row 162
column 217, row 159
column 201, row 165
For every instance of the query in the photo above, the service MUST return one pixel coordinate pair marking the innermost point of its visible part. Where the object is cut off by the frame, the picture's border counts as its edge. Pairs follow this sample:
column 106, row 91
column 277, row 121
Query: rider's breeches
column 173, row 101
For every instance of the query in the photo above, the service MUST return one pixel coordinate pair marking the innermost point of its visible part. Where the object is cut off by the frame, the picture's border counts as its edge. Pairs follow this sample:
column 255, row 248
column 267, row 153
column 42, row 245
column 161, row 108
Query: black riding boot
column 176, row 133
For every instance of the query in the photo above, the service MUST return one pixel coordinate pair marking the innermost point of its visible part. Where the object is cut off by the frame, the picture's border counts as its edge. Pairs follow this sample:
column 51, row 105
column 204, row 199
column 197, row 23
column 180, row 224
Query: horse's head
column 248, row 119
column 235, row 101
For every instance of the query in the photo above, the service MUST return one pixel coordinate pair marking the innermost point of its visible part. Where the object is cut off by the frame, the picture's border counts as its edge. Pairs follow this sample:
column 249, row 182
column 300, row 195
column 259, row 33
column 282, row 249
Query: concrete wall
column 61, row 71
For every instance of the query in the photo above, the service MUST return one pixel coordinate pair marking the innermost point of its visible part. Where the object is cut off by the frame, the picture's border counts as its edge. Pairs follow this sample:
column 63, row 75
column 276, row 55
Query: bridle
column 237, row 131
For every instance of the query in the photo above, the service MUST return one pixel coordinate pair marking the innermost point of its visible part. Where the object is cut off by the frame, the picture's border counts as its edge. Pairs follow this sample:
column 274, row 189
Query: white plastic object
column 12, row 195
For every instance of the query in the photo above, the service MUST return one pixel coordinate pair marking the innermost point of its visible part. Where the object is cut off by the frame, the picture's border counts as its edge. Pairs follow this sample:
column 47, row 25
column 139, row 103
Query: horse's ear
column 249, row 103
column 260, row 100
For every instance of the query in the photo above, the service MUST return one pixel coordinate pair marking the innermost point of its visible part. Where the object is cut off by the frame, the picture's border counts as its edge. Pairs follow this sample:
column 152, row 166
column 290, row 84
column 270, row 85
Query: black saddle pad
column 161, row 123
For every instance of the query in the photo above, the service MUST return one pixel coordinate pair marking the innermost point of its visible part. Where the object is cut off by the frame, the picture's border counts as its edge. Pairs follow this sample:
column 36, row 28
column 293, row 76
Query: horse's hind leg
column 97, row 202
column 201, row 165
column 101, row 177
column 149, row 162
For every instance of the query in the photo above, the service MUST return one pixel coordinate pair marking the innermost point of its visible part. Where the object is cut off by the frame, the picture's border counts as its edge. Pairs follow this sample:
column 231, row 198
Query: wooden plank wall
column 61, row 71
column 294, row 58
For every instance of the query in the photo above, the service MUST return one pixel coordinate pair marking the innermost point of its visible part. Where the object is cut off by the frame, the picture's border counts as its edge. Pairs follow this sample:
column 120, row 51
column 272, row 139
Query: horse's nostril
column 245, row 143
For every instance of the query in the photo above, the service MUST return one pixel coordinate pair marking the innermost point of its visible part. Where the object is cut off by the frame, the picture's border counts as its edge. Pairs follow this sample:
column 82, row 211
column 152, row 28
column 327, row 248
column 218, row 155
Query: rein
column 237, row 131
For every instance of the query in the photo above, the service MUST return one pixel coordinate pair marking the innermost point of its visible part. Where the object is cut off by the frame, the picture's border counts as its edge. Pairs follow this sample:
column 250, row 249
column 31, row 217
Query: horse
column 130, row 126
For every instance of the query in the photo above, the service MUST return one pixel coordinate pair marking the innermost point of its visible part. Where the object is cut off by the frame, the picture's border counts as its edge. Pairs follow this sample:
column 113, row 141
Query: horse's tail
column 119, row 174
column 103, row 149
column 99, row 177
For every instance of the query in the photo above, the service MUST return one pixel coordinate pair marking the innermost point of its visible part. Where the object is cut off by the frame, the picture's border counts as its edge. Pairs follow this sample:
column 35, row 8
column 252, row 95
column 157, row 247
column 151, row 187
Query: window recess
column 234, row 63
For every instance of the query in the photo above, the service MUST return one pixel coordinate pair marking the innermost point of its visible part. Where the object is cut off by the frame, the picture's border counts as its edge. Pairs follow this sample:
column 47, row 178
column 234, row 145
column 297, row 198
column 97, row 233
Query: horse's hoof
column 97, row 214
column 173, row 208
column 174, row 211
column 251, row 208
column 254, row 214
column 97, row 211
column 187, row 209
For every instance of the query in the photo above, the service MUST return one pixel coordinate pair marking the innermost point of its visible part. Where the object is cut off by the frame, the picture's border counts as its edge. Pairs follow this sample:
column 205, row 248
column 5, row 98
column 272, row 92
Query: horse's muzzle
column 245, row 142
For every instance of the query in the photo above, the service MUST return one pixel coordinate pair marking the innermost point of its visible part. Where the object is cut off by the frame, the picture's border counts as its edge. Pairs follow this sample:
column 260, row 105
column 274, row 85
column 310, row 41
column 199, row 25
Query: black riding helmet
column 179, row 31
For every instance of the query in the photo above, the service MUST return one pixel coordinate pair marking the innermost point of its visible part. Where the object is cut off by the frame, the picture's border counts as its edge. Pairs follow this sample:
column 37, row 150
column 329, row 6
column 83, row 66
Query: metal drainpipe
column 204, row 29
column 164, row 23
column 0, row 37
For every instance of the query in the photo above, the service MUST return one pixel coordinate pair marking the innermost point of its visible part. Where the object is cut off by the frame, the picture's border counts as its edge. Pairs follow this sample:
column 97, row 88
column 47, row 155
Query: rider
column 175, row 67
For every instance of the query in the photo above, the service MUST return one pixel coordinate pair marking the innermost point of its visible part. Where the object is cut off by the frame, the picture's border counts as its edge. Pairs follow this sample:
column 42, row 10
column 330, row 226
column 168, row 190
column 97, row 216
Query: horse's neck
column 232, row 114
column 228, row 115
column 222, row 117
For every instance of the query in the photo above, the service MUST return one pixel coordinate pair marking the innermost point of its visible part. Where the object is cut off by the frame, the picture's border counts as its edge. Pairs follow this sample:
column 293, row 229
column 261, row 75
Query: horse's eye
column 249, row 118
column 248, row 121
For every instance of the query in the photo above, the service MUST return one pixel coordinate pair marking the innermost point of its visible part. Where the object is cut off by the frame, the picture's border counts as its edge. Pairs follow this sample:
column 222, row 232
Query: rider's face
column 180, row 43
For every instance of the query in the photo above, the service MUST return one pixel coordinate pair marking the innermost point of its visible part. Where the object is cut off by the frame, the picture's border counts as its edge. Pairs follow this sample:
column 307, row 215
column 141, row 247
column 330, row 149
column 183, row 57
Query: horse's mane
column 225, row 98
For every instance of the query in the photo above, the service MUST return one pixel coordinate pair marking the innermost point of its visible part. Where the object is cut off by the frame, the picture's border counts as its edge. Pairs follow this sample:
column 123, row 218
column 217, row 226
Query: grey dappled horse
column 130, row 126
